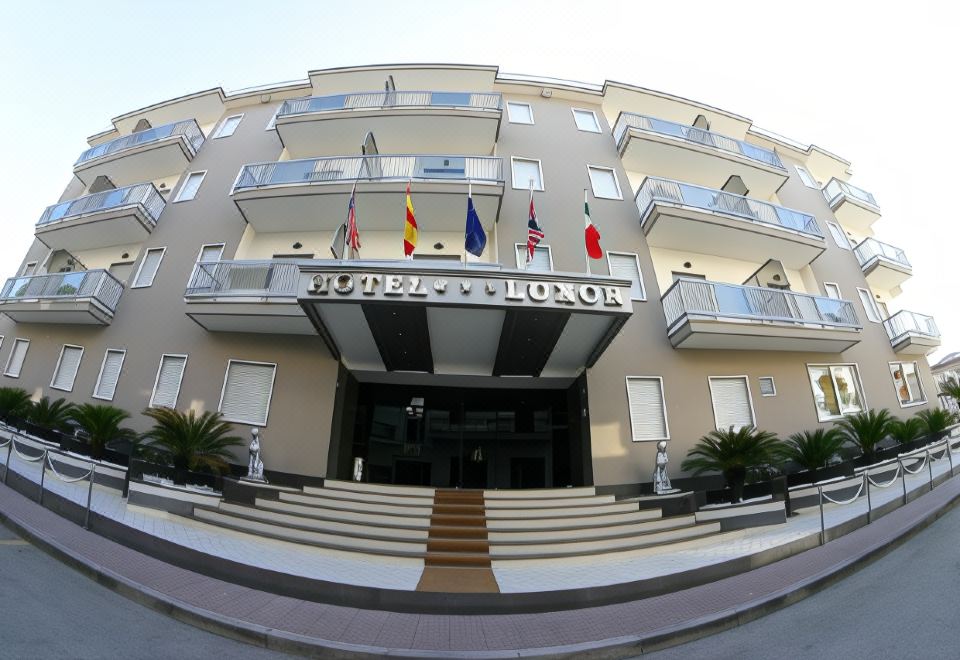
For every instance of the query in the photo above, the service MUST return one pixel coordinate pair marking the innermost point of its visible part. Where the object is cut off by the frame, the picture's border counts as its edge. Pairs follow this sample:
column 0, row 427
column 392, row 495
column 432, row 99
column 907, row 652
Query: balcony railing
column 98, row 285
column 188, row 128
column 759, row 304
column 836, row 188
column 905, row 323
column 269, row 278
column 475, row 169
column 871, row 248
column 483, row 101
column 142, row 193
column 628, row 120
column 655, row 189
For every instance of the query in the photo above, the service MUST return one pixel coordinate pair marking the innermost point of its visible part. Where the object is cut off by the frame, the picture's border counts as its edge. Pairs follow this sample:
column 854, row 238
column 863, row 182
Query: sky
column 869, row 81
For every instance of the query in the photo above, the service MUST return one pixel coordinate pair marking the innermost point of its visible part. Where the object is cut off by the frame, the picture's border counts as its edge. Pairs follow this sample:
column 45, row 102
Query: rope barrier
column 69, row 480
column 9, row 440
column 850, row 501
column 28, row 459
column 889, row 483
column 923, row 464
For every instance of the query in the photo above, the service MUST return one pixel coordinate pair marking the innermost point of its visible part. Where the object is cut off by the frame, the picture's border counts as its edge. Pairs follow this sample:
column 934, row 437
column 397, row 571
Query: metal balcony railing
column 835, row 188
column 98, row 285
column 187, row 128
column 871, row 248
column 731, row 301
column 344, row 169
column 144, row 194
column 481, row 101
column 905, row 323
column 656, row 189
column 628, row 120
column 260, row 279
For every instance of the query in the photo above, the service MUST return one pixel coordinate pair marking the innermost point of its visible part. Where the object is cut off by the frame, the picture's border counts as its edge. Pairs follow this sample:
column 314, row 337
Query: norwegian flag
column 534, row 231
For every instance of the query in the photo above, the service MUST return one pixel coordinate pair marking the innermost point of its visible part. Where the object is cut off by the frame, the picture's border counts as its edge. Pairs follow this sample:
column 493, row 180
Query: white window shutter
column 541, row 257
column 109, row 375
column 167, row 389
column 149, row 267
column 17, row 355
column 246, row 392
column 625, row 267
column 731, row 403
column 767, row 386
column 838, row 236
column 67, row 368
column 645, row 398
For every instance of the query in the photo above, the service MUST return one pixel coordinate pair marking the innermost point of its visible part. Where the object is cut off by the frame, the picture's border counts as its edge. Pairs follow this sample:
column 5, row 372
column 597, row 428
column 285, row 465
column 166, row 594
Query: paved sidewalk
column 330, row 631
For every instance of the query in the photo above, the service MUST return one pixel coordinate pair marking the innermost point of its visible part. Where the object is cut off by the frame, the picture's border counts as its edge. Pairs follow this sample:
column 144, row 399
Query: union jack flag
column 534, row 231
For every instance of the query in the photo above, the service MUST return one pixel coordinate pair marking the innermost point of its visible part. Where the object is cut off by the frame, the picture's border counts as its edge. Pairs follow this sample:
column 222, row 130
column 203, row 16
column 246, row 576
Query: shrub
column 936, row 421
column 734, row 454
column 189, row 441
column 866, row 429
column 907, row 430
column 102, row 425
column 54, row 415
column 14, row 402
column 812, row 450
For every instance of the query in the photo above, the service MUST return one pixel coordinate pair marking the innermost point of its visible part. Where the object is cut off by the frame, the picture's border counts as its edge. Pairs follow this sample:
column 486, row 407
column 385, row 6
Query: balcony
column 853, row 207
column 113, row 217
column 713, row 315
column 312, row 194
column 247, row 296
column 886, row 267
column 87, row 297
column 143, row 156
column 681, row 216
column 677, row 151
column 912, row 334
column 402, row 122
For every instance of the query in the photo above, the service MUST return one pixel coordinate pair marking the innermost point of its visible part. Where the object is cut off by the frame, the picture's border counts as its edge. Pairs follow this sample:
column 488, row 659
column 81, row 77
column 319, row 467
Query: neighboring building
column 188, row 264
column 944, row 370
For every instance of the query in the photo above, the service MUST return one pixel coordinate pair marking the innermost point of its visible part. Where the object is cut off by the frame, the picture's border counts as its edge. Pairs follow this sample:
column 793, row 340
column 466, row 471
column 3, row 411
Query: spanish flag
column 410, row 230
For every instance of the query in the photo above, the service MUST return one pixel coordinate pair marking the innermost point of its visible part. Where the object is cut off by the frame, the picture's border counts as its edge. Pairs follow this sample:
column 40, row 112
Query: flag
column 353, row 234
column 591, row 235
column 475, row 239
column 534, row 230
column 410, row 231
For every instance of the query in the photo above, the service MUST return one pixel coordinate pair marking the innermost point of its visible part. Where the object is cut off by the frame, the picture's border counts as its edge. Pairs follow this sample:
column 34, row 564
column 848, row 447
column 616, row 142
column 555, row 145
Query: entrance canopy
column 482, row 320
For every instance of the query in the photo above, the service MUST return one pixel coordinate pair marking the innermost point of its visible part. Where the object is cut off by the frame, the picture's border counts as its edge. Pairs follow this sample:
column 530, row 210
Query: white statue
column 661, row 482
column 255, row 467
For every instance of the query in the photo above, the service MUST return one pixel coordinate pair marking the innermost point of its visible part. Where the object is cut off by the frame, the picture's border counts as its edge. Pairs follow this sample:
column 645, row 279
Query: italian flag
column 590, row 234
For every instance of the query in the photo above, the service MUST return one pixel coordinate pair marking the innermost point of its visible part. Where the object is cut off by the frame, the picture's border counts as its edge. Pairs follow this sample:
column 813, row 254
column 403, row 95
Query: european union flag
column 476, row 238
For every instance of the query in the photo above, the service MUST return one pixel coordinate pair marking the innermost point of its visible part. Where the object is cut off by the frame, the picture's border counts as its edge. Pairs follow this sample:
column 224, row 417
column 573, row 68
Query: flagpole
column 346, row 234
column 469, row 196
column 527, row 258
column 585, row 253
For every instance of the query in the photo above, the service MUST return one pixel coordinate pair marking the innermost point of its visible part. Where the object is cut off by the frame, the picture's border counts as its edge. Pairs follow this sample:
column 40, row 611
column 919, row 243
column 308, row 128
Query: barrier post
column 930, row 469
column 950, row 456
column 823, row 537
column 6, row 465
column 43, row 474
column 93, row 474
column 903, row 478
column 866, row 475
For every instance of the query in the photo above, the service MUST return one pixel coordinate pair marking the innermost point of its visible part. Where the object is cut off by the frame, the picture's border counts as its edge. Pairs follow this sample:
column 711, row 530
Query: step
column 458, row 532
column 522, row 536
column 454, row 520
column 382, row 489
column 540, row 493
column 574, row 548
column 574, row 522
column 462, row 546
column 560, row 503
column 355, row 496
column 477, row 510
column 560, row 512
column 457, row 559
column 346, row 515
column 350, row 505
column 359, row 530
column 332, row 541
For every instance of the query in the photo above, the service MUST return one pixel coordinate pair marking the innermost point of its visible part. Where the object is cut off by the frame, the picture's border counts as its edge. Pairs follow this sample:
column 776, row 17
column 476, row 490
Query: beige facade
column 294, row 220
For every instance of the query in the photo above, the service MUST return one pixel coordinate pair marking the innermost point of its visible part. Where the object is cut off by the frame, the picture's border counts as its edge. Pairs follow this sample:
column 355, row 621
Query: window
column 272, row 124
column 906, row 380
column 166, row 388
column 806, row 177
column 29, row 269
column 838, row 236
column 625, row 265
column 836, row 390
column 648, row 410
column 109, row 374
column 519, row 113
column 66, row 370
column 866, row 299
column 832, row 290
column 200, row 279
column 17, row 355
column 542, row 257
column 732, row 406
column 525, row 172
column 676, row 275
column 148, row 268
column 767, row 386
column 604, row 182
column 227, row 127
column 190, row 187
column 247, row 388
column 586, row 120
column 882, row 306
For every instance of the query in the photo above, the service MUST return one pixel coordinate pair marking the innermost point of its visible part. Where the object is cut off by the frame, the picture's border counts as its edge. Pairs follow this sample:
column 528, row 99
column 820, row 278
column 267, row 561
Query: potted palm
column 734, row 453
column 951, row 386
column 906, row 431
column 14, row 403
column 189, row 441
column 936, row 422
column 866, row 430
column 812, row 450
column 101, row 423
column 47, row 416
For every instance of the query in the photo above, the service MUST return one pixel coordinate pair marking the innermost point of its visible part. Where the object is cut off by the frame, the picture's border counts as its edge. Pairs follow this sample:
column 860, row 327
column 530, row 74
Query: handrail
column 719, row 300
column 188, row 128
column 628, row 120
column 263, row 278
column 145, row 194
column 904, row 322
column 835, row 188
column 340, row 169
column 482, row 101
column 659, row 189
column 97, row 284
column 870, row 248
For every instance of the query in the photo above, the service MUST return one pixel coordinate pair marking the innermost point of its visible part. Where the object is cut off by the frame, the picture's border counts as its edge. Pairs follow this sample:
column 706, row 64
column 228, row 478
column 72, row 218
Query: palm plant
column 936, row 421
column 907, row 430
column 812, row 450
column 53, row 415
column 190, row 441
column 733, row 453
column 866, row 429
column 13, row 402
column 951, row 386
column 101, row 423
